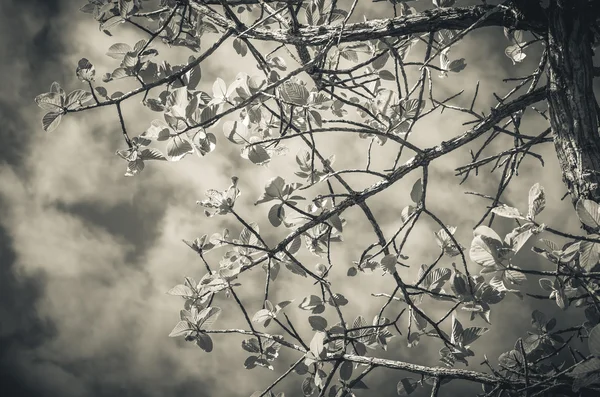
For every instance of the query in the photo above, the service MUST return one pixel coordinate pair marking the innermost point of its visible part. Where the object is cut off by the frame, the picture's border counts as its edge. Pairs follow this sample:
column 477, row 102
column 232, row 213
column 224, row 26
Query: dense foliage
column 322, row 70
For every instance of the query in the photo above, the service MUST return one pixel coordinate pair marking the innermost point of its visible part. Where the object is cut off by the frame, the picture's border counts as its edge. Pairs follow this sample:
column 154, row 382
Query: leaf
column 419, row 321
column 276, row 214
column 388, row 263
column 219, row 89
column 204, row 342
column 515, row 53
column 262, row 315
column 236, row 132
column 118, row 50
column 406, row 212
column 118, row 73
column 386, row 75
column 594, row 341
column 310, row 303
column 537, row 201
column 251, row 345
column 51, row 120
column 180, row 329
column 471, row 334
column 294, row 245
column 126, row 7
column 585, row 367
column 317, row 323
column 179, row 98
column 85, row 70
column 589, row 253
column 316, row 344
column 337, row 300
column 257, row 154
column 507, row 212
column 457, row 330
column 406, row 386
column 181, row 290
column 240, row 47
column 346, row 370
column 178, row 148
column 294, row 93
column 207, row 316
column 546, row 284
column 457, row 65
column 416, row 191
column 589, row 213
column 308, row 386
column 77, row 97
column 49, row 101
column 380, row 61
column 193, row 75
column 204, row 142
column 250, row 362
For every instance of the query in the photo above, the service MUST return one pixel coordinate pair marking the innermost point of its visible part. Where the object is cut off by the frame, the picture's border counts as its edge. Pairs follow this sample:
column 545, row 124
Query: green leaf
column 589, row 213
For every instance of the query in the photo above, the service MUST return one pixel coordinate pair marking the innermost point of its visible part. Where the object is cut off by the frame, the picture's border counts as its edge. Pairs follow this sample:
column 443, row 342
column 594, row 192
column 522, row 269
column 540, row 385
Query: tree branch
column 454, row 18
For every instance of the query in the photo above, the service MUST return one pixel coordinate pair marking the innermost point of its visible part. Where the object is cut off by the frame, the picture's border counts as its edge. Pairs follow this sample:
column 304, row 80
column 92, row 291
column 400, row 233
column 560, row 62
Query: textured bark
column 431, row 20
column 571, row 100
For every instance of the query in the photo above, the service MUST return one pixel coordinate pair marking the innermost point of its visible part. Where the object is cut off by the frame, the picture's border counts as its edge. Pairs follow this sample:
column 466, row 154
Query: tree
column 322, row 71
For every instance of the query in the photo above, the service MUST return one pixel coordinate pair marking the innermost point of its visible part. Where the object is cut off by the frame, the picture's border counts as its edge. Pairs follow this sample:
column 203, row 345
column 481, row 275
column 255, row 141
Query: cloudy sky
column 86, row 255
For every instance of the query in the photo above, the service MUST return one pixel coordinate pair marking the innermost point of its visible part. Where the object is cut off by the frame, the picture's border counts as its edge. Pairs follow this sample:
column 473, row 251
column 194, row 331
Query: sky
column 86, row 255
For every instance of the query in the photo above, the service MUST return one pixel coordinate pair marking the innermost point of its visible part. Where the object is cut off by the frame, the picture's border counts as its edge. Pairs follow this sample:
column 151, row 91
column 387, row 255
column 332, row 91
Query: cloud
column 88, row 255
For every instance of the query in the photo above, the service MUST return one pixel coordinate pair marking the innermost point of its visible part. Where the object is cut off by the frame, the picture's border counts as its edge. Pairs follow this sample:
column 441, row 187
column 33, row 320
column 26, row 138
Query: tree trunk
column 571, row 101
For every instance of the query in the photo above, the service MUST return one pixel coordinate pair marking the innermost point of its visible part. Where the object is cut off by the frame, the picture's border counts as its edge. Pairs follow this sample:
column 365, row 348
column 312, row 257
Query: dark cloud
column 27, row 45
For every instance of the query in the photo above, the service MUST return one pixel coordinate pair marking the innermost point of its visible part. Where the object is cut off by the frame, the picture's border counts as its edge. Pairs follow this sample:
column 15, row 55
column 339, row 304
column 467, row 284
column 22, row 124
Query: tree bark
column 571, row 100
